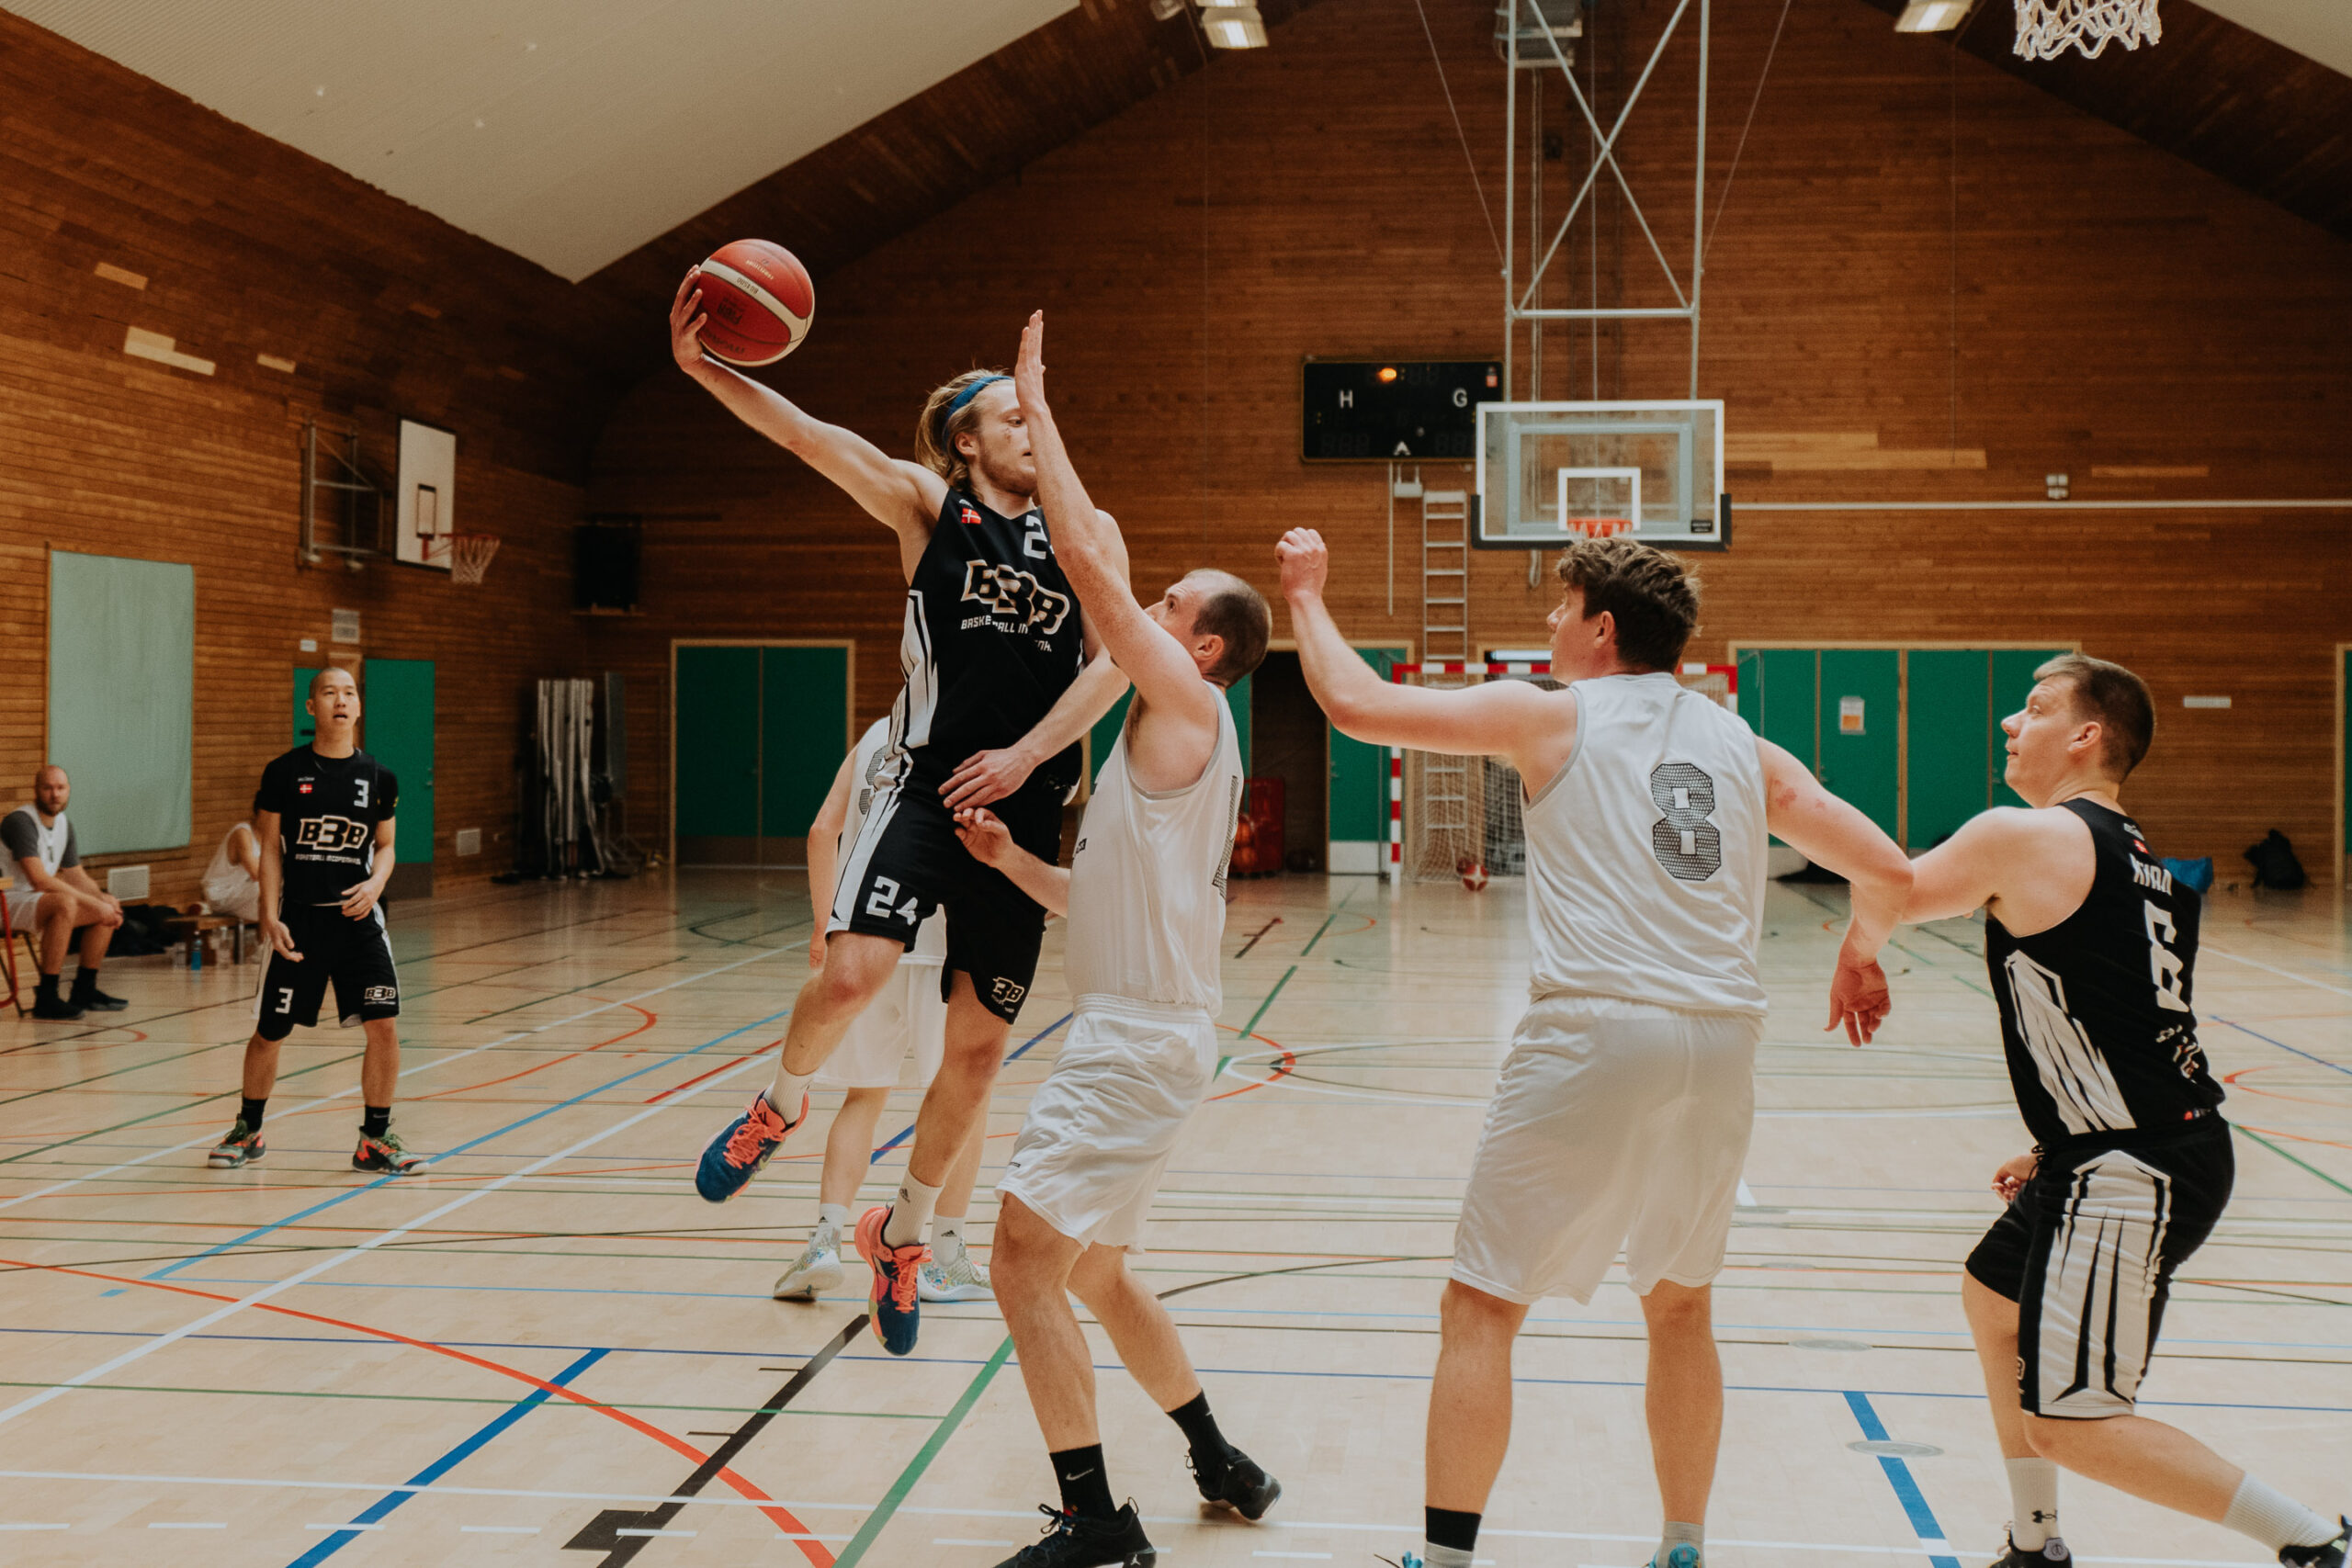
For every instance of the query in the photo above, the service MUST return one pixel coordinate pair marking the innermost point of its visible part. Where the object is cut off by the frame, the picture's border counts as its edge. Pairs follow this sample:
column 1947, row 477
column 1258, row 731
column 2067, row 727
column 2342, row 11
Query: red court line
column 1284, row 1065
column 680, row 1088
column 650, row 1020
column 815, row 1551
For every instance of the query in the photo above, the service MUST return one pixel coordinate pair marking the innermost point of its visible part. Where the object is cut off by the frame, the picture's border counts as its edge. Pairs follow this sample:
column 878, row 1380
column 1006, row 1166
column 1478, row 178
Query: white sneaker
column 815, row 1271
column 962, row 1281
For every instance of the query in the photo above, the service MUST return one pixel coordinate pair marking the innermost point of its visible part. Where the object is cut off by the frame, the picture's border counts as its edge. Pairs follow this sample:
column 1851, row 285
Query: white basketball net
column 470, row 556
column 2046, row 28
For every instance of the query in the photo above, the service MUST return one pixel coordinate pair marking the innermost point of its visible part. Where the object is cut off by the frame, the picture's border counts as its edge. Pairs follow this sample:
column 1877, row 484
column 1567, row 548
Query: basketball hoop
column 2047, row 27
column 470, row 556
column 1599, row 528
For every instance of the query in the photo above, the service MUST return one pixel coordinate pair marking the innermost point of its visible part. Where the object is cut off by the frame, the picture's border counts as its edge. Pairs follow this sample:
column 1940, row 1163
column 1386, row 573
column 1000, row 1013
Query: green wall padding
column 121, row 698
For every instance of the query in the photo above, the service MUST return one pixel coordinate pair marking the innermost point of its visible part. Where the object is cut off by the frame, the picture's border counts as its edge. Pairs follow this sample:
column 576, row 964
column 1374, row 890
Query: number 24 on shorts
column 886, row 895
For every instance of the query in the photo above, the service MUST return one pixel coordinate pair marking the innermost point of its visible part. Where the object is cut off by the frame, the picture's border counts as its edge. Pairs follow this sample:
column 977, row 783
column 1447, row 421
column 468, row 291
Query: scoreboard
column 1395, row 411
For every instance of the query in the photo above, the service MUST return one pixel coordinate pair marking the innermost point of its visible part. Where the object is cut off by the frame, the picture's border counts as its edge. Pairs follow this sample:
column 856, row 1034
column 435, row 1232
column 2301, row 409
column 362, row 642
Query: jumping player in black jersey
column 323, row 815
column 993, row 651
column 2092, row 946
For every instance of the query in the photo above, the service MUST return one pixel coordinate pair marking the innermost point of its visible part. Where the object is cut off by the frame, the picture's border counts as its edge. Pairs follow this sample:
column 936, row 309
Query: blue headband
column 962, row 400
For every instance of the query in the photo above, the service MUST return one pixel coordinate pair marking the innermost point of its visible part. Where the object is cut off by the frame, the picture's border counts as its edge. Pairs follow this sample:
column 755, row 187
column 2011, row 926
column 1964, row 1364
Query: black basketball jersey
column 2096, row 1011
column 327, row 811
column 992, row 641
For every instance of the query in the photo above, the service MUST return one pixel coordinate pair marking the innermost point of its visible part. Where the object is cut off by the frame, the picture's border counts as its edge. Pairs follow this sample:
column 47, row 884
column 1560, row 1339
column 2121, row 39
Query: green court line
column 854, row 1552
column 1337, row 910
column 2290, row 1159
column 1224, row 1061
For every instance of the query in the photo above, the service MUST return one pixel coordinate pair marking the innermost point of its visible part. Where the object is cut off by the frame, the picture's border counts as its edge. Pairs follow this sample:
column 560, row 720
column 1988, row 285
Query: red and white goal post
column 1447, row 813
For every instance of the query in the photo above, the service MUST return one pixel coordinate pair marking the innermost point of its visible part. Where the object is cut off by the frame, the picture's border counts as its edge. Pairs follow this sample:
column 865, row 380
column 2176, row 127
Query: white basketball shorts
column 1102, row 1124
column 906, row 1020
column 24, row 903
column 1614, row 1125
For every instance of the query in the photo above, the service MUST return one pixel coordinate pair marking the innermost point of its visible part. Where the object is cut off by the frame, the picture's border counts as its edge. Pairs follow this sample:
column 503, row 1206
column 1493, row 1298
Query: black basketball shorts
column 2087, row 1250
column 908, row 861
column 353, row 956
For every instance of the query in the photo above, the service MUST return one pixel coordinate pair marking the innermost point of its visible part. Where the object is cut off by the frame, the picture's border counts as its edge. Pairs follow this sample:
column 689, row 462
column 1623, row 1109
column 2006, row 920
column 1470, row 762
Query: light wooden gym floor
column 294, row 1361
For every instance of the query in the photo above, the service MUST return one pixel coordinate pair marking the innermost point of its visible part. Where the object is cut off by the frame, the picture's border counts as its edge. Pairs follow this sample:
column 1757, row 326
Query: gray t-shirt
column 21, row 832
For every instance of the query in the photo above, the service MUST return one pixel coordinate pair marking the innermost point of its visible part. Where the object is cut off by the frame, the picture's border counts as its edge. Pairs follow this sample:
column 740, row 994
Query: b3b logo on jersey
column 331, row 835
column 1015, row 595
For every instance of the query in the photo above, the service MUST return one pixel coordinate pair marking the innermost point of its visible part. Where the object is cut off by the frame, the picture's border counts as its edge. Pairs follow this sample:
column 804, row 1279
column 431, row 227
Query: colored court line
column 1249, row 1028
column 346, row 1196
column 903, row 1133
column 2306, row 1056
column 440, row 1467
column 854, row 1552
column 1907, row 1489
column 2290, row 1159
column 1258, row 935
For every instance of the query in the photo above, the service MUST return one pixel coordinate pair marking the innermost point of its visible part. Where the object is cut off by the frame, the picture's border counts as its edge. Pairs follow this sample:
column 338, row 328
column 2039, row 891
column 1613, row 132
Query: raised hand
column 1307, row 563
column 1858, row 998
column 685, row 321
column 1029, row 370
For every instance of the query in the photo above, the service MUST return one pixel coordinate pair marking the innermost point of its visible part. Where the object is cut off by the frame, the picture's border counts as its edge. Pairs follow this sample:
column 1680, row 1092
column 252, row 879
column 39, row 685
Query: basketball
column 757, row 300
column 1473, row 876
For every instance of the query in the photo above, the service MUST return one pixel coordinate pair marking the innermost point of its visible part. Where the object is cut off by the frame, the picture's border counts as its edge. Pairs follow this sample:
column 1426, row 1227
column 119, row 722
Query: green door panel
column 1788, row 689
column 1359, row 799
column 1236, row 697
column 718, row 709
column 1865, row 768
column 804, row 734
column 1951, row 710
column 1105, row 734
column 397, row 711
column 1751, row 690
column 2013, row 671
column 305, row 727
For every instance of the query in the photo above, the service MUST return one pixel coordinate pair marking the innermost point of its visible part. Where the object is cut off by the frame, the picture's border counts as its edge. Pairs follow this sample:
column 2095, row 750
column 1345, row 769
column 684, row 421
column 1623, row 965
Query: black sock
column 46, row 991
column 1446, row 1527
column 1210, row 1450
column 86, row 980
column 1086, row 1490
column 377, row 1121
column 249, row 1113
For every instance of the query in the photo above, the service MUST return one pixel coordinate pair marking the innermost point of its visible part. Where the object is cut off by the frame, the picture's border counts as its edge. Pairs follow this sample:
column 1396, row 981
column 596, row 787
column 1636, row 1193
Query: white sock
column 947, row 1238
column 1445, row 1556
column 909, row 1211
column 2033, row 1502
column 1678, row 1533
column 788, row 1093
column 2275, row 1520
column 834, row 1217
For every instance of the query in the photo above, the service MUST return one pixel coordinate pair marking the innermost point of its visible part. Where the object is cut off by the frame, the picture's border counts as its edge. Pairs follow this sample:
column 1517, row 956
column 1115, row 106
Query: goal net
column 1448, row 814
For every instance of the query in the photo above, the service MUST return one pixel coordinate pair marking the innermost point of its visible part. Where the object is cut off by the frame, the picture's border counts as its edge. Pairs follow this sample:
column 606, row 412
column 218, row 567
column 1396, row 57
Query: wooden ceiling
column 2256, row 113
column 981, row 125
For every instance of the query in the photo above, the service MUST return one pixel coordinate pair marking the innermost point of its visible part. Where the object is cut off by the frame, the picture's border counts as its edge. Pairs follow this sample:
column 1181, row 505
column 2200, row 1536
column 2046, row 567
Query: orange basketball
column 1473, row 876
column 757, row 301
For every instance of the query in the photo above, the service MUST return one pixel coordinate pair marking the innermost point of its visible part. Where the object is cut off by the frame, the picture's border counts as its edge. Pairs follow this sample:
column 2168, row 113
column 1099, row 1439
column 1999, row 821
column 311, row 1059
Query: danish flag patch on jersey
column 969, row 518
column 302, row 788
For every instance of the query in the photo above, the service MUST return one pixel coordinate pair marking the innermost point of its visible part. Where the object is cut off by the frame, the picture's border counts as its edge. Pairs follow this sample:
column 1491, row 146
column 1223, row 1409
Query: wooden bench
column 192, row 929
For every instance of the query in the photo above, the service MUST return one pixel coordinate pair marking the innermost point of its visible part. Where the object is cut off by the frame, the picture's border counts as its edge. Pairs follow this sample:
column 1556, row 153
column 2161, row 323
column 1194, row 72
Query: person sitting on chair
column 232, row 882
column 55, row 897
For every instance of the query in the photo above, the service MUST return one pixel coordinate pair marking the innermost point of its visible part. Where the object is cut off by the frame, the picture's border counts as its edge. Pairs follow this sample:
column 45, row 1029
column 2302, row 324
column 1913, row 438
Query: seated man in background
column 232, row 882
column 55, row 895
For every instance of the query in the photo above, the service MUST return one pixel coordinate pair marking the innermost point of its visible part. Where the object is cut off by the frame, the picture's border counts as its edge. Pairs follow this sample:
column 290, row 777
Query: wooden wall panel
column 238, row 247
column 1917, row 247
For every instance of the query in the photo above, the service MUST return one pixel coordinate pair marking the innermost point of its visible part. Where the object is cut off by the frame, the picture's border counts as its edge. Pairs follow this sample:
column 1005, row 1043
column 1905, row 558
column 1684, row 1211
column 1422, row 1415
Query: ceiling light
column 1233, row 26
column 1933, row 16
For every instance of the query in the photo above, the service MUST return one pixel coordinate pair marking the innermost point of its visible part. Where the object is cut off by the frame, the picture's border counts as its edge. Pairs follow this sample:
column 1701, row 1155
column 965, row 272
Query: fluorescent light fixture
column 1233, row 26
column 1933, row 16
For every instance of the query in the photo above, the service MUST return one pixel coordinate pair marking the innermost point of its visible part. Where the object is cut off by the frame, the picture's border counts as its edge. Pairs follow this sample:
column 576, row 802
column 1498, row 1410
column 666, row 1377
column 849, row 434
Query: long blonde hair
column 935, row 433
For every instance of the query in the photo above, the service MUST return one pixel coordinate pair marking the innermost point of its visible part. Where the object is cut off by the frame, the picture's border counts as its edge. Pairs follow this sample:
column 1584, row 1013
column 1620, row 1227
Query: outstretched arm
column 991, row 844
column 904, row 497
column 1960, row 875
column 1830, row 832
column 989, row 776
column 1087, row 544
column 1535, row 729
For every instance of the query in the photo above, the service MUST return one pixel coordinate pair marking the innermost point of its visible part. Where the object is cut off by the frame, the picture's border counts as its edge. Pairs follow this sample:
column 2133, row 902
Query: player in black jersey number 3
column 995, row 702
column 2092, row 946
column 323, row 817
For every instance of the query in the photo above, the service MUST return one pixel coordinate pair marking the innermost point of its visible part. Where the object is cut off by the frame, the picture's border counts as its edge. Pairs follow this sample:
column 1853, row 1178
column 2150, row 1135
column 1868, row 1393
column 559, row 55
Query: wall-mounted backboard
column 1548, row 471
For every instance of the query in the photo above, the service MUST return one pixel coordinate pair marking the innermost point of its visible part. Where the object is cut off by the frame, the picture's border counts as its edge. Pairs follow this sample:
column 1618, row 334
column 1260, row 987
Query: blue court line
column 903, row 1133
column 347, row 1196
column 1906, row 1490
column 444, row 1464
column 2242, row 1029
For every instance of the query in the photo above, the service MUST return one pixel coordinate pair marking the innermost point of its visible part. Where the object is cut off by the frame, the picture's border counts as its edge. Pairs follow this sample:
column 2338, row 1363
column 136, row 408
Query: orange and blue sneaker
column 743, row 1146
column 897, row 1271
column 383, row 1153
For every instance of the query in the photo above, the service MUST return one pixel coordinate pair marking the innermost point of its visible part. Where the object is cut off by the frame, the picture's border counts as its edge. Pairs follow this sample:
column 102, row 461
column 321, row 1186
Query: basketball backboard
column 1544, row 469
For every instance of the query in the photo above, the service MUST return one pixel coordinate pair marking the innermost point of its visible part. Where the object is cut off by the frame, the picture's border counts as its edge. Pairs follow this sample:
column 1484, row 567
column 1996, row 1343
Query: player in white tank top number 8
column 1146, row 901
column 1622, row 1112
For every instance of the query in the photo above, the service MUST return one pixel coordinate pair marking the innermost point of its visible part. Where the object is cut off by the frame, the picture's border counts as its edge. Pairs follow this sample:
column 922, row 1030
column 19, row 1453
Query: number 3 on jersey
column 1687, row 843
column 885, row 895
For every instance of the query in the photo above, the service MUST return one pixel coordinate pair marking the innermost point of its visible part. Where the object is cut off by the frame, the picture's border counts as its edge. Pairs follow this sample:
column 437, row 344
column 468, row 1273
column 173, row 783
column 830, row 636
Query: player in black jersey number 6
column 323, row 817
column 994, row 704
column 2092, row 946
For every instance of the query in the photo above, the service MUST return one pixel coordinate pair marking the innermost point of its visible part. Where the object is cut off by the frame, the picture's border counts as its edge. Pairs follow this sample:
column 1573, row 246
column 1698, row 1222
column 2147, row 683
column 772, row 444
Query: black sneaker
column 2051, row 1553
column 2329, row 1554
column 1246, row 1489
column 96, row 1000
column 56, row 1008
column 1073, row 1542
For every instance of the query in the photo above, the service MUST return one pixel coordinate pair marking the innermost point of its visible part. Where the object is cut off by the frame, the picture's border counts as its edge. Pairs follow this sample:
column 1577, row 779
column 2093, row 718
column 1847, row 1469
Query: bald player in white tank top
column 1621, row 1115
column 1146, row 902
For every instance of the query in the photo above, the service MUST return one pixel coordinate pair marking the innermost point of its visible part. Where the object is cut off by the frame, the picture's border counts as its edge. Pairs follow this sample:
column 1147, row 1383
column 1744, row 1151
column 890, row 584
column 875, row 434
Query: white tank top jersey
column 1646, row 853
column 49, row 846
column 1146, row 884
column 226, row 882
column 931, row 937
